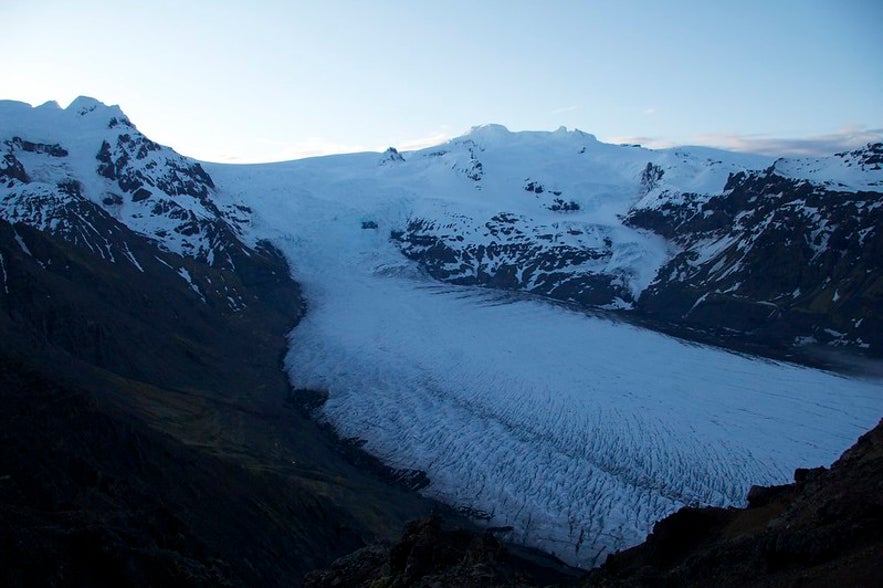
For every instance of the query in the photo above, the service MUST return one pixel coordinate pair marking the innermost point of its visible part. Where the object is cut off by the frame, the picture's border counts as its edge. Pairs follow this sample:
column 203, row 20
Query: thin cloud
column 424, row 142
column 827, row 144
column 271, row 151
column 651, row 142
column 649, row 111
column 811, row 146
column 563, row 109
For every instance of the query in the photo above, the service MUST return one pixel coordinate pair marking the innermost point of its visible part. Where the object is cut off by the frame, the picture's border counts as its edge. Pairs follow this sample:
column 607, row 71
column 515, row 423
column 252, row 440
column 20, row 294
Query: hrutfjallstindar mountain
column 489, row 310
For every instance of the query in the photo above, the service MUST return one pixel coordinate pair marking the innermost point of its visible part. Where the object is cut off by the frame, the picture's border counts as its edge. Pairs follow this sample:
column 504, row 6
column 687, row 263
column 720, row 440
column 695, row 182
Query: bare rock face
column 563, row 261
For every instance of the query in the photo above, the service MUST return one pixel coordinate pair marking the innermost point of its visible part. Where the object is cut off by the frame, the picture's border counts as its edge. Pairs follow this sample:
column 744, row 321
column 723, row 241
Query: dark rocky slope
column 146, row 435
column 826, row 529
column 772, row 260
column 429, row 554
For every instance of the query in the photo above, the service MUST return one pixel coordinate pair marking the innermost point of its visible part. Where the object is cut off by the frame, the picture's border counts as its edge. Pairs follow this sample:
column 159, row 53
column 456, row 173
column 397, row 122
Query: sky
column 273, row 80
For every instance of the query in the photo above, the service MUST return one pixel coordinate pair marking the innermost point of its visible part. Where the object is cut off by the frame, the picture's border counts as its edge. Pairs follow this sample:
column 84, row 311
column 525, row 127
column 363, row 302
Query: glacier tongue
column 577, row 431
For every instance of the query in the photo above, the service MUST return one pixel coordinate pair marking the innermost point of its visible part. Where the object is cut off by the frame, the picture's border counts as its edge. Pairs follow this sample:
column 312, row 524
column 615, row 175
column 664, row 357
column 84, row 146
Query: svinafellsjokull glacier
column 576, row 430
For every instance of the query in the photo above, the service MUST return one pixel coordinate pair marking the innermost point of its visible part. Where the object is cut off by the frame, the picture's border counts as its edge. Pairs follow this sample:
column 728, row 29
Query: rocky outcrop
column 567, row 261
column 776, row 259
column 825, row 529
column 427, row 554
column 391, row 157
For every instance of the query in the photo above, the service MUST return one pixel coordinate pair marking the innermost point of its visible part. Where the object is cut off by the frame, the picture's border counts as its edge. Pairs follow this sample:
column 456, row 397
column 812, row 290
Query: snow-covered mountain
column 129, row 185
column 425, row 275
column 784, row 254
column 149, row 188
column 548, row 216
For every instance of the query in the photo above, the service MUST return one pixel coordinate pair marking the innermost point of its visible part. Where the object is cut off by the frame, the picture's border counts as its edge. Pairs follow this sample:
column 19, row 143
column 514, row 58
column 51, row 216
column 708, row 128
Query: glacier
column 576, row 430
column 572, row 427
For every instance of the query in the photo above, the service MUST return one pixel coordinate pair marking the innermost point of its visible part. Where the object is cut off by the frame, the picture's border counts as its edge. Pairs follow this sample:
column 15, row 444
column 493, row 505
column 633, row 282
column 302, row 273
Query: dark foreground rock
column 826, row 529
column 430, row 555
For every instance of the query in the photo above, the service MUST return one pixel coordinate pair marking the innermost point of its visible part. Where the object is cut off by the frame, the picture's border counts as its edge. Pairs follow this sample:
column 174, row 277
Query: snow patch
column 187, row 278
column 22, row 244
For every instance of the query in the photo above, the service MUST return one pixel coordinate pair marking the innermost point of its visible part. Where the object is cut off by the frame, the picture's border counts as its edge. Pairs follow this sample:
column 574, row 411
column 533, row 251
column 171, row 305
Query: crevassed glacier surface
column 578, row 431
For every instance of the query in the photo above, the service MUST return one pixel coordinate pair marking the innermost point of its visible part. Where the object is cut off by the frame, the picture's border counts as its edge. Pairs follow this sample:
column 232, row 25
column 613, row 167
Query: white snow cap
column 86, row 106
column 489, row 132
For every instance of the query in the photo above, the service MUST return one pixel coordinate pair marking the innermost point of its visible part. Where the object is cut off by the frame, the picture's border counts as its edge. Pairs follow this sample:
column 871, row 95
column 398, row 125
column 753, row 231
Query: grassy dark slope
column 145, row 436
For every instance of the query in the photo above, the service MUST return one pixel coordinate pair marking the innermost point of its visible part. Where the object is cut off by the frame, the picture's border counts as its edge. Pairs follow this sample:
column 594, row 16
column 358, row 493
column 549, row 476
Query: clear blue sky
column 265, row 80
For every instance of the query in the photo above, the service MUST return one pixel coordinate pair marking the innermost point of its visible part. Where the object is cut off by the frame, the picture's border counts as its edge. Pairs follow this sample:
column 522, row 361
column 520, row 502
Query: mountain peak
column 50, row 105
column 496, row 133
column 85, row 105
column 391, row 155
column 583, row 135
column 488, row 131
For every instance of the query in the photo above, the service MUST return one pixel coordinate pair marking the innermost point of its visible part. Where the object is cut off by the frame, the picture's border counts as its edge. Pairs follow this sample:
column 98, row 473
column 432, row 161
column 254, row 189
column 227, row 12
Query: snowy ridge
column 52, row 154
column 774, row 255
column 861, row 169
column 548, row 219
